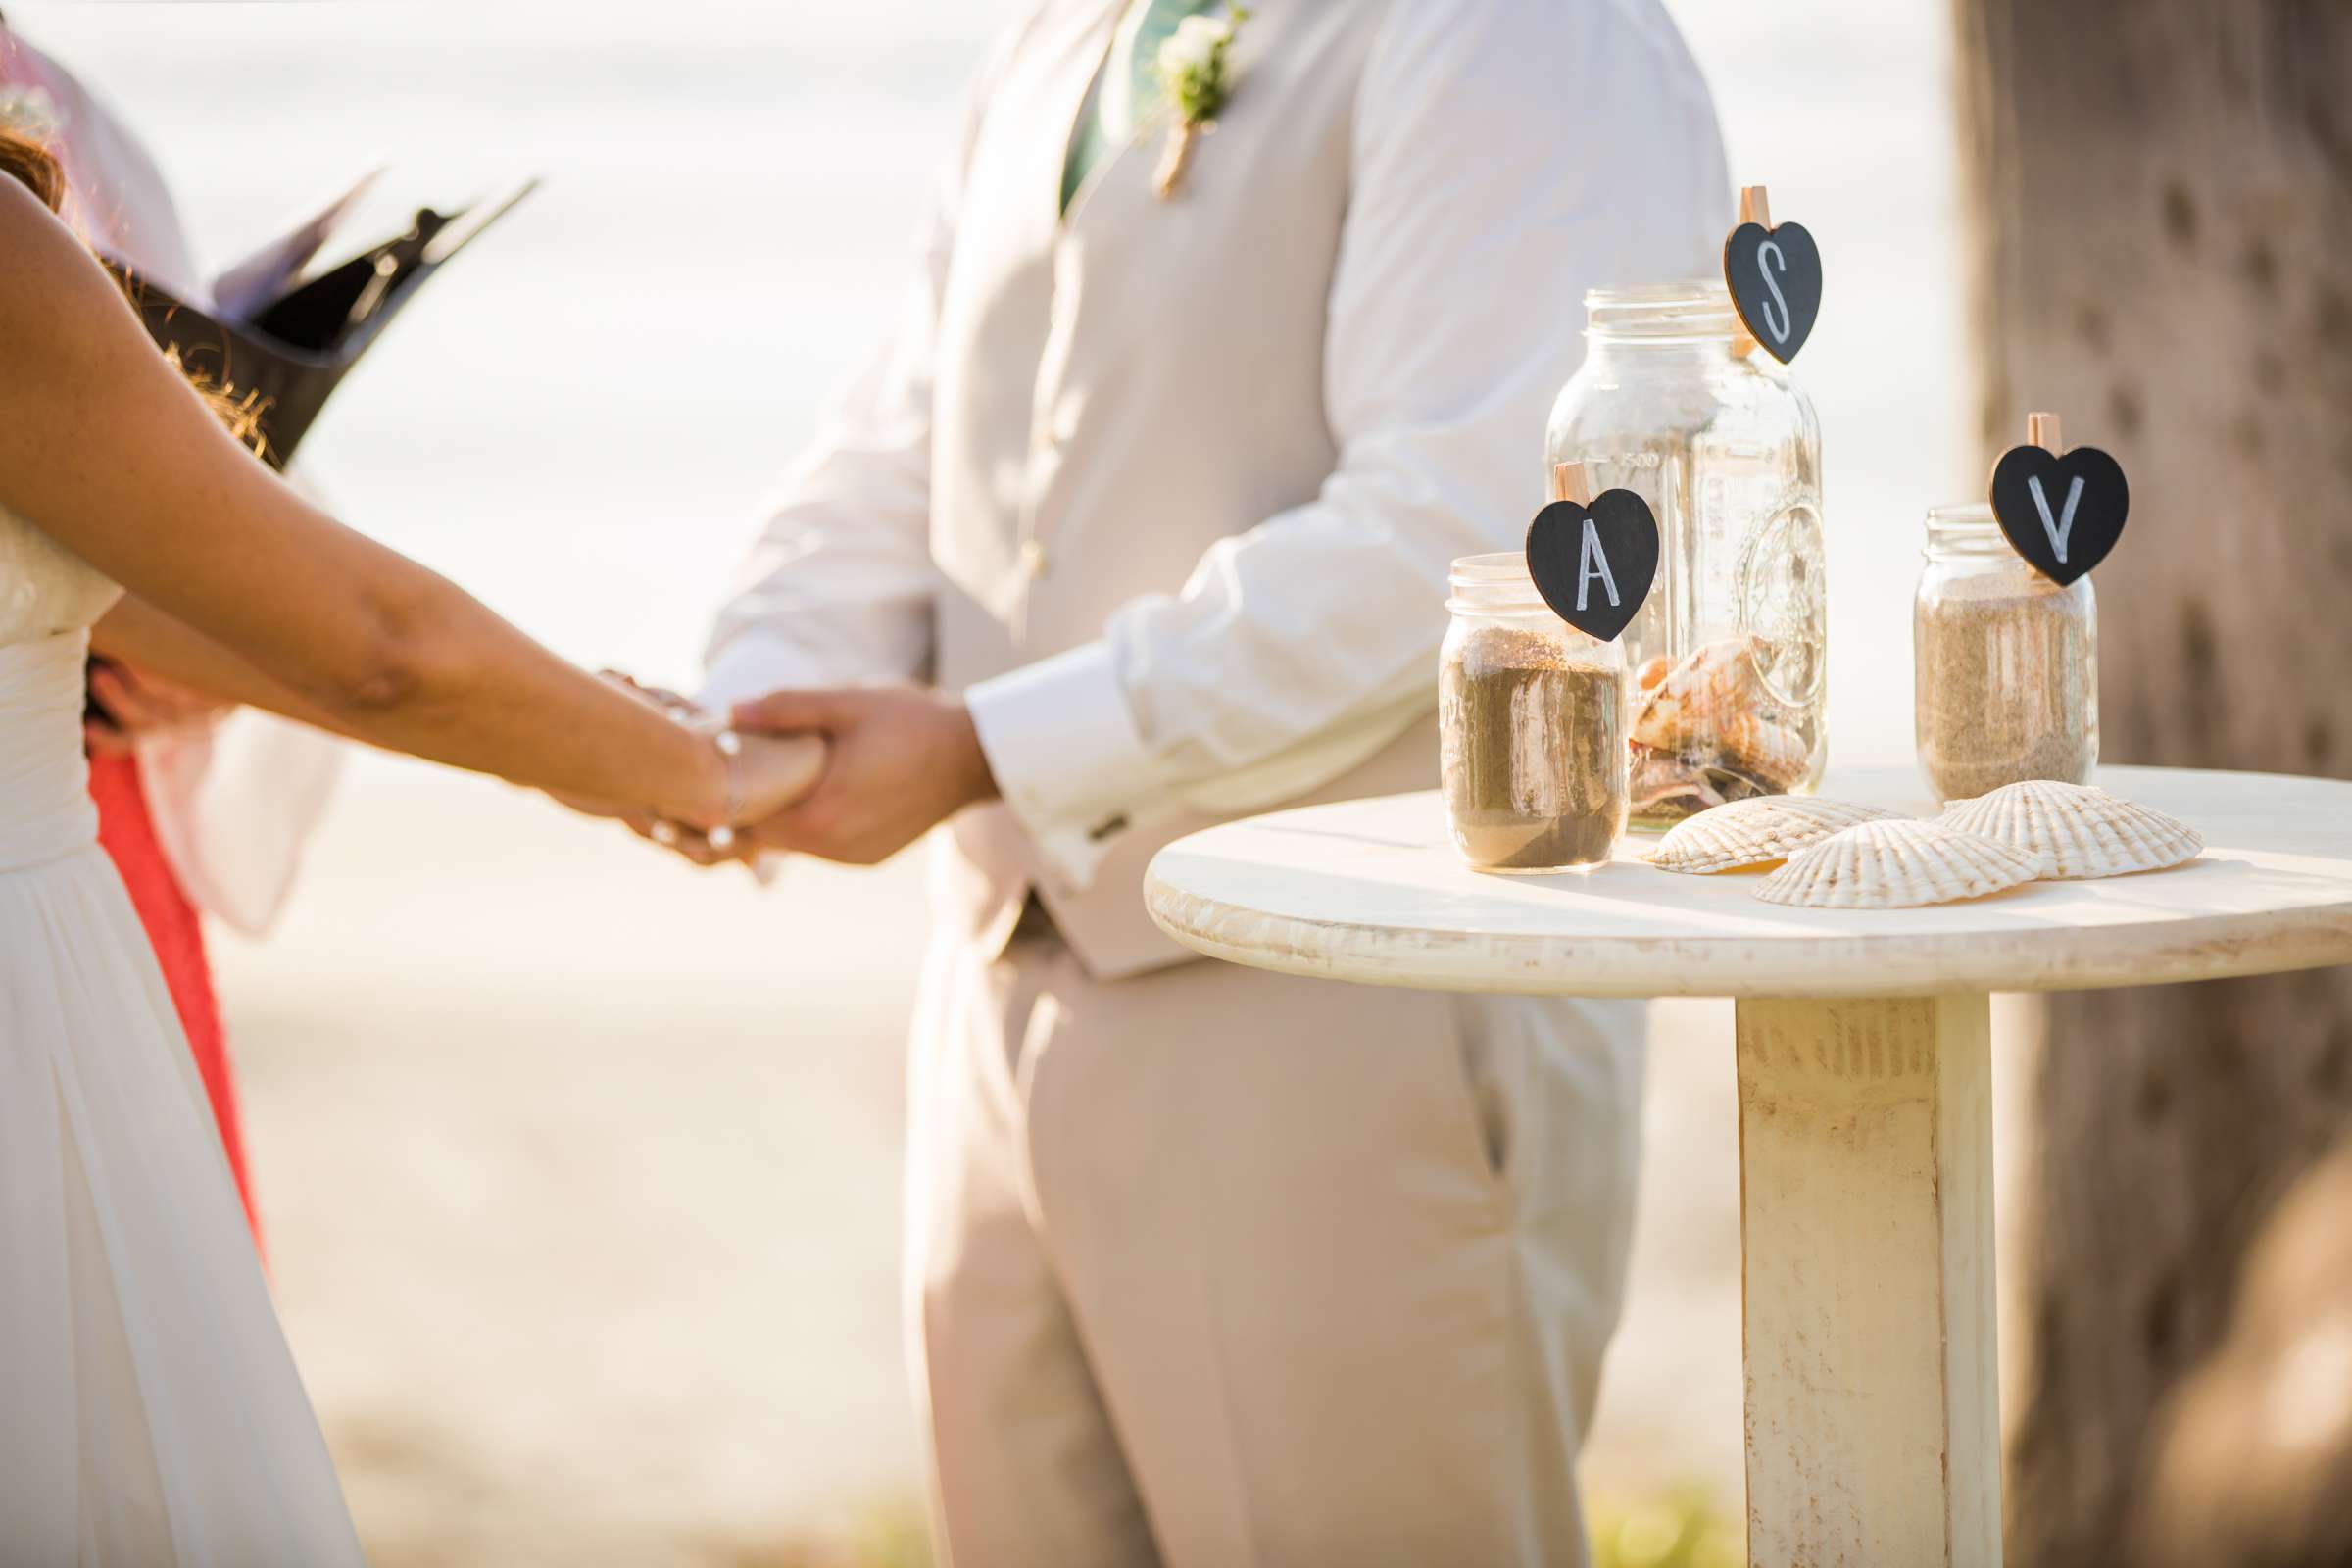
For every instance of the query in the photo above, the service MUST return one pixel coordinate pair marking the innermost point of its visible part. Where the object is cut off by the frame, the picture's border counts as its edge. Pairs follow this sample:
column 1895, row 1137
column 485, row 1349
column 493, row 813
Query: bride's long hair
column 35, row 167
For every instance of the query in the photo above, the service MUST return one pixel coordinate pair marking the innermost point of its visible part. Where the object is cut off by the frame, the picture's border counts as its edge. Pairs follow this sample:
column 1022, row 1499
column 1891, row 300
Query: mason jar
column 2005, row 663
column 1530, row 726
column 1675, row 403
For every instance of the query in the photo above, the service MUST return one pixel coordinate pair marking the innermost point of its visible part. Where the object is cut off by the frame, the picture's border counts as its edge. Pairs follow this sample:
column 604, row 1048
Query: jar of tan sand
column 1531, row 720
column 2006, row 663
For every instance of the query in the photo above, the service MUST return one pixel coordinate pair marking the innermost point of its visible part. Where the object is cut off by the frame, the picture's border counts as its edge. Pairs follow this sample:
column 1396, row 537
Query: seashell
column 1750, row 834
column 1654, row 670
column 2078, row 830
column 1896, row 863
column 1774, row 754
column 1662, row 786
column 1651, row 775
column 1686, row 704
column 1735, row 786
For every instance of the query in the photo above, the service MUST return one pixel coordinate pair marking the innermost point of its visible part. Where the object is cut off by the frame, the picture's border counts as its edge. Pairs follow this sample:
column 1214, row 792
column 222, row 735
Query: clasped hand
column 884, row 764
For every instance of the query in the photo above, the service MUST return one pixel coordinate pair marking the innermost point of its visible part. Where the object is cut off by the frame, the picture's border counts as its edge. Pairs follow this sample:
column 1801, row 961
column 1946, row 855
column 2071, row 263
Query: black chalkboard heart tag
column 1594, row 563
column 2062, row 513
column 1775, row 278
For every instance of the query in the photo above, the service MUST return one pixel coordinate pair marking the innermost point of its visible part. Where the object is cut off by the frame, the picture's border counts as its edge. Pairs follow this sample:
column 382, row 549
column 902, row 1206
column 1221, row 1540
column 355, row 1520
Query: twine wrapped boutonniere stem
column 1196, row 73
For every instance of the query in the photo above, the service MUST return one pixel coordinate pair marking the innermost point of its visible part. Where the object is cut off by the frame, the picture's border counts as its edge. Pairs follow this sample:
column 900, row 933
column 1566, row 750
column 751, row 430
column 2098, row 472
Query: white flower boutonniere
column 1196, row 73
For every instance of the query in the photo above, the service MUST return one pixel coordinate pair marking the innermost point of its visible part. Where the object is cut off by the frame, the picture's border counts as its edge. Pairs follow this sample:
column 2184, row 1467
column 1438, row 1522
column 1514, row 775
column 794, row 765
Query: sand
column 580, row 1174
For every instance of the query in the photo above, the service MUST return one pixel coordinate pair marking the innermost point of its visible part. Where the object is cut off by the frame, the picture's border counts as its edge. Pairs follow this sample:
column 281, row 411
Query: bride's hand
column 765, row 774
column 638, row 818
column 754, row 775
column 773, row 772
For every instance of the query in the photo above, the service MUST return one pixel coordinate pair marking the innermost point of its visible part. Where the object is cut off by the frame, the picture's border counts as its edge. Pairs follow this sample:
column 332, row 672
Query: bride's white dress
column 150, row 1413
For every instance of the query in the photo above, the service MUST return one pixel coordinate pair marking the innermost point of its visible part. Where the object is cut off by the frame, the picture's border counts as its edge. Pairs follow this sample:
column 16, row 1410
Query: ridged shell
column 1755, row 832
column 2078, row 830
column 1896, row 865
column 1690, row 701
column 1774, row 754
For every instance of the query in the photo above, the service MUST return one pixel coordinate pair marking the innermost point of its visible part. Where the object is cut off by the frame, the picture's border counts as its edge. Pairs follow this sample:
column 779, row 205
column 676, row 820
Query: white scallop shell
column 1755, row 832
column 2078, row 830
column 1896, row 865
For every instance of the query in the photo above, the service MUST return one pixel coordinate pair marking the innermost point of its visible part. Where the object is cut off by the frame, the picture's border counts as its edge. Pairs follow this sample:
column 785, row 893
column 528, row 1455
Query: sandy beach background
column 579, row 1167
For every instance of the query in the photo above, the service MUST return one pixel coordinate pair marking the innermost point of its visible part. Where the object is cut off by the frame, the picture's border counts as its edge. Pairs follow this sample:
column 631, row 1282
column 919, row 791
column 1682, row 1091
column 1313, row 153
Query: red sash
column 177, row 930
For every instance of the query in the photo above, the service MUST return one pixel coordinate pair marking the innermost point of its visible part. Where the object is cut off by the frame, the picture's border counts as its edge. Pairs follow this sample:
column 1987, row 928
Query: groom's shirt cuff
column 1063, row 744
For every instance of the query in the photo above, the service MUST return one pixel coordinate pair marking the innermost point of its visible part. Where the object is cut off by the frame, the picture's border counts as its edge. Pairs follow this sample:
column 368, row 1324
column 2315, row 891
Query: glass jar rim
column 1496, row 583
column 1689, row 310
column 1966, row 515
column 1967, row 528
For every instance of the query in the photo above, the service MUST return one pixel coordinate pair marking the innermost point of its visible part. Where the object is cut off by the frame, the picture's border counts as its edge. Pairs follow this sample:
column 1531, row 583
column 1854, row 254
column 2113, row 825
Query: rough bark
column 2160, row 201
column 2254, row 1469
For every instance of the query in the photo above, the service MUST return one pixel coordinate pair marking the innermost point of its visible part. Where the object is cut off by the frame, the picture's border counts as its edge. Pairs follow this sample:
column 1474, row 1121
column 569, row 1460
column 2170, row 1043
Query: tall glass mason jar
column 1730, row 655
column 1530, row 726
column 2005, row 663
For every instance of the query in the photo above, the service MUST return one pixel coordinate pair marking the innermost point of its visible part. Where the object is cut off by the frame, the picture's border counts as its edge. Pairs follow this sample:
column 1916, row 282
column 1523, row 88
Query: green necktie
column 1126, row 94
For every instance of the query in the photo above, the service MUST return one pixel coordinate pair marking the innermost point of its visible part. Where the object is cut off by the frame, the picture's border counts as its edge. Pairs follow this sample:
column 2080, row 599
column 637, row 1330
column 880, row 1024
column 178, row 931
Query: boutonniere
column 1196, row 75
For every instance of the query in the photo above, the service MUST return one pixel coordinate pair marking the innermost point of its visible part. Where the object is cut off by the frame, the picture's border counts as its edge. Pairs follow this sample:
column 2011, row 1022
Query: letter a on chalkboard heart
column 1593, row 565
column 1775, row 278
column 2062, row 513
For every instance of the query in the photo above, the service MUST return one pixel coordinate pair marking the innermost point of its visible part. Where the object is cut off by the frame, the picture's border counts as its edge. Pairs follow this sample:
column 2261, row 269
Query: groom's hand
column 904, row 758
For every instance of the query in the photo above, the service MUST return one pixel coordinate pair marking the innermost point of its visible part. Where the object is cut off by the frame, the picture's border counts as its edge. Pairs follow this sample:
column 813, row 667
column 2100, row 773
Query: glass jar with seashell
column 1731, row 651
column 2006, row 663
column 1530, row 726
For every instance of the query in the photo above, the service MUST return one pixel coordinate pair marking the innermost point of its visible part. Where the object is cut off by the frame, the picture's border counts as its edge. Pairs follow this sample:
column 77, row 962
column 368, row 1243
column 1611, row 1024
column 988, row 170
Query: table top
column 1371, row 892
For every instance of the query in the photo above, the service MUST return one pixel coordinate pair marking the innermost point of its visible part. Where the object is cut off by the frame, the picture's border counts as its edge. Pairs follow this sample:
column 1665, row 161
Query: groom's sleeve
column 1506, row 158
column 840, row 587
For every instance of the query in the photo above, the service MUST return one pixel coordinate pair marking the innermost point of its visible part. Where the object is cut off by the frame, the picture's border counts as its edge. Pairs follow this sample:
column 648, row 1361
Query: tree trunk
column 2160, row 197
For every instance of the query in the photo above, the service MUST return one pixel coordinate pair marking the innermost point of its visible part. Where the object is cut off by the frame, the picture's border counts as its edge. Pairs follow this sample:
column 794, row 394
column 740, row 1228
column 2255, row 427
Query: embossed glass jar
column 2005, row 663
column 1730, row 654
column 1530, row 726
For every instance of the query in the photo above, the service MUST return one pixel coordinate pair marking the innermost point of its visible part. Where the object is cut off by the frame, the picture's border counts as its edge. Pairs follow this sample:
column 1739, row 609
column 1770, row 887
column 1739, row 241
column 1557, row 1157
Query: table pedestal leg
column 1866, row 1216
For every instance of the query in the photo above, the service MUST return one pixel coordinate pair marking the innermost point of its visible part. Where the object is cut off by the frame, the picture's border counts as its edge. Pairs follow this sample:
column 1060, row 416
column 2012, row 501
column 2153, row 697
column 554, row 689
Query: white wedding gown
column 150, row 1413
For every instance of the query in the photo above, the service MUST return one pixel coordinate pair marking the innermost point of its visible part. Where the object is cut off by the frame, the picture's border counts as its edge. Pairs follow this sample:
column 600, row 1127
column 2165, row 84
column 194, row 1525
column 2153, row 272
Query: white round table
column 1864, row 1064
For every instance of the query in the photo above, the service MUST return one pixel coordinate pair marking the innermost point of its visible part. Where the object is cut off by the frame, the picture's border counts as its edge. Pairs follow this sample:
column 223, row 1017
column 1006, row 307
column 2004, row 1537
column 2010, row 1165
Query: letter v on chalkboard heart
column 1593, row 562
column 2062, row 512
column 1773, row 275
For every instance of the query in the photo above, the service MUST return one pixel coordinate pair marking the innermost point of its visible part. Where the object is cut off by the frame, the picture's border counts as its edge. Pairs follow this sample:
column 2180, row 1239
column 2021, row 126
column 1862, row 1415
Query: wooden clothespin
column 1755, row 207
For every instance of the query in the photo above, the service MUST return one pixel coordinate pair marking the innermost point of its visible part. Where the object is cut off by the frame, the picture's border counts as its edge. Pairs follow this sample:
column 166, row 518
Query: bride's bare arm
column 106, row 449
column 136, row 633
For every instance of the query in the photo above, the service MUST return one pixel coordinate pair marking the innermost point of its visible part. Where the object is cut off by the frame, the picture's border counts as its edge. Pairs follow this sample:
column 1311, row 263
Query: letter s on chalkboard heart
column 2062, row 513
column 1775, row 278
column 1593, row 565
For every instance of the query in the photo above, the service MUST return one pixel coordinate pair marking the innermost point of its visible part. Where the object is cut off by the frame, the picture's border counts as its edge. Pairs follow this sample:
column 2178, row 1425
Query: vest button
column 1033, row 558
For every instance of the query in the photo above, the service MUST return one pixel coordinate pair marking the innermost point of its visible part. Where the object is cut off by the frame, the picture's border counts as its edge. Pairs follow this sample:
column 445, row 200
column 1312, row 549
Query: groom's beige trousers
column 1213, row 1268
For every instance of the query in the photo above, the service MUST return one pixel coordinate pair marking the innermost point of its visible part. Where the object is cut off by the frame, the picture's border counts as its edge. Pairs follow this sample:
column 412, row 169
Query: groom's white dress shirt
column 1170, row 489
column 1205, row 1266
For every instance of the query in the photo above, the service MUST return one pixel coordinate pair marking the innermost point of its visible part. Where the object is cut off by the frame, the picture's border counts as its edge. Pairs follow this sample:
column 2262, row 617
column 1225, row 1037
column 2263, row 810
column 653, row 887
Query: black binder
column 289, row 350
